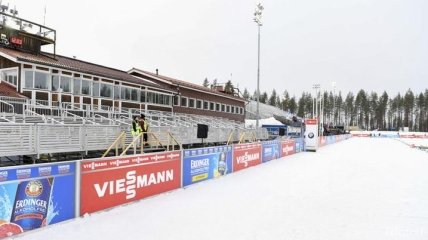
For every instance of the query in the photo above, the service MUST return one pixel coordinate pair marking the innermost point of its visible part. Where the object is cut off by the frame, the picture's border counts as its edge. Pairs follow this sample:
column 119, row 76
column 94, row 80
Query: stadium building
column 52, row 80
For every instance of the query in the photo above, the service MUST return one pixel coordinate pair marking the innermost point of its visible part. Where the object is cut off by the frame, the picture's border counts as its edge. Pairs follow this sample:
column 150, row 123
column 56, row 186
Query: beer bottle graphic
column 31, row 203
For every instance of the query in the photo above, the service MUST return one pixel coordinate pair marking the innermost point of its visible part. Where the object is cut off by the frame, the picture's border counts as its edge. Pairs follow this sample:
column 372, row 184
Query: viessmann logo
column 287, row 149
column 132, row 182
column 94, row 165
column 247, row 158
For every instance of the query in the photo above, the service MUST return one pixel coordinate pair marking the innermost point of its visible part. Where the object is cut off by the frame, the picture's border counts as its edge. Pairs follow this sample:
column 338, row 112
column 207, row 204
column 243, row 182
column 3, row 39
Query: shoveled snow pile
column 362, row 188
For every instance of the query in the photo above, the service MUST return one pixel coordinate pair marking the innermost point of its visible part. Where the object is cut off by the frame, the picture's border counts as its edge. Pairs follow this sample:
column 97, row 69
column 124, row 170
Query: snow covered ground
column 423, row 142
column 362, row 188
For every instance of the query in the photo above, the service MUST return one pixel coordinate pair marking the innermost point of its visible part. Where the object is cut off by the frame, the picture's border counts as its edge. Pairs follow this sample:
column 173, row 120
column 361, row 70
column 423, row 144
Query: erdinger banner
column 288, row 147
column 206, row 163
column 33, row 197
column 246, row 155
column 119, row 180
column 270, row 150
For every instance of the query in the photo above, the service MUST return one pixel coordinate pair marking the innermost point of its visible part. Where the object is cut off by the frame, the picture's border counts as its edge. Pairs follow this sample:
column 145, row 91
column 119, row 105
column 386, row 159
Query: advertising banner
column 288, row 147
column 110, row 182
column 33, row 197
column 299, row 145
column 206, row 163
column 246, row 155
column 323, row 141
column 331, row 139
column 270, row 150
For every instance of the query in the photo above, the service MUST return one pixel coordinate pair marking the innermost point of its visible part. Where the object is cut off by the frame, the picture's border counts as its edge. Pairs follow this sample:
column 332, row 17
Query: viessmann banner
column 33, row 197
column 246, row 155
column 206, row 163
column 270, row 150
column 118, row 180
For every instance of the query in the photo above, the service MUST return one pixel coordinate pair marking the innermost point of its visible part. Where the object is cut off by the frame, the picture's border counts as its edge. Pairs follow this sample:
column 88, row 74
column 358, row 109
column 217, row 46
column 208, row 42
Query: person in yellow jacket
column 144, row 127
column 136, row 131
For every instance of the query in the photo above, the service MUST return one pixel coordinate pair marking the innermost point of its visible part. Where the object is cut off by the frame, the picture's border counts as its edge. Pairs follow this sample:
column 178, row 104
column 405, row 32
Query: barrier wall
column 327, row 140
column 388, row 134
column 39, row 195
column 206, row 163
column 106, row 183
column 246, row 155
column 271, row 150
column 288, row 147
column 35, row 196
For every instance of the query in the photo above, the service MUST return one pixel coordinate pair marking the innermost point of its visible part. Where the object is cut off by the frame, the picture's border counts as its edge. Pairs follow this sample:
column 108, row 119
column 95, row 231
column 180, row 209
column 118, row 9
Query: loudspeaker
column 281, row 131
column 202, row 131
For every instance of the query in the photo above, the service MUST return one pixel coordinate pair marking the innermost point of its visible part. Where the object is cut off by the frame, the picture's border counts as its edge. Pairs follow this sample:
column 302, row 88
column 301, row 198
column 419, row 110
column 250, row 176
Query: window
column 227, row 108
column 29, row 79
column 165, row 99
column 10, row 76
column 134, row 94
column 176, row 100
column 184, row 101
column 143, row 96
column 86, row 87
column 242, row 111
column 199, row 104
column 217, row 107
column 65, row 84
column 106, row 90
column 55, row 82
column 223, row 108
column 191, row 103
column 117, row 92
column 126, row 93
column 41, row 80
column 96, row 89
column 237, row 110
column 212, row 106
column 233, row 109
column 206, row 105
column 76, row 86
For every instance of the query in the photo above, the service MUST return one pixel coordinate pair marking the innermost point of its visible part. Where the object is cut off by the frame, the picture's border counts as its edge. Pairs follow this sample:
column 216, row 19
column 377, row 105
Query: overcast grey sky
column 371, row 44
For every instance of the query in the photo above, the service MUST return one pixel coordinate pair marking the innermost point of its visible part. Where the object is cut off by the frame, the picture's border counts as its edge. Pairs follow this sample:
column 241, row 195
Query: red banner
column 322, row 141
column 119, row 180
column 288, row 147
column 246, row 155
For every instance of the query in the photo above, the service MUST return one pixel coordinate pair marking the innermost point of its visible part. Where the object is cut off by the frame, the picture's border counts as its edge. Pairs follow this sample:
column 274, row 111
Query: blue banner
column 299, row 145
column 271, row 150
column 206, row 163
column 33, row 197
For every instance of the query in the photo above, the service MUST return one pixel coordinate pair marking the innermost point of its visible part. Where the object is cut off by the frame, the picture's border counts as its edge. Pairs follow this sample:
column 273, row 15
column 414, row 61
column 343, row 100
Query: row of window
column 79, row 86
column 206, row 105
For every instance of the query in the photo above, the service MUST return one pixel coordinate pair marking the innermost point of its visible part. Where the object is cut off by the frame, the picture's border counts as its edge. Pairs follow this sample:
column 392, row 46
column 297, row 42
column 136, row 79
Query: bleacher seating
column 35, row 128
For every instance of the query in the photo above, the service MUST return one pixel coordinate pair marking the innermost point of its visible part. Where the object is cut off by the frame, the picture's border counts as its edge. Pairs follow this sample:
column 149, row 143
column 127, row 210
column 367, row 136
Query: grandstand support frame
column 157, row 140
column 252, row 137
column 119, row 140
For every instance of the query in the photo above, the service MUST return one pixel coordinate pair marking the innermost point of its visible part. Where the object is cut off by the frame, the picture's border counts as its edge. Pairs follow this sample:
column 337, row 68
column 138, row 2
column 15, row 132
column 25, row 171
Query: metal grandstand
column 37, row 128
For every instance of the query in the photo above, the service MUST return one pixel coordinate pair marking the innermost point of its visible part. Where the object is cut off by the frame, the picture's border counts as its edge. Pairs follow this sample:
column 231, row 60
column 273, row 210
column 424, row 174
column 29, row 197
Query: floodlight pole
column 257, row 19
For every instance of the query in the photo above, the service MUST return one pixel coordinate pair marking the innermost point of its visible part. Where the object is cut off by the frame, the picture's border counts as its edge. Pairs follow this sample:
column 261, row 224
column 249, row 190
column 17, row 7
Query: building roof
column 8, row 90
column 176, row 82
column 75, row 65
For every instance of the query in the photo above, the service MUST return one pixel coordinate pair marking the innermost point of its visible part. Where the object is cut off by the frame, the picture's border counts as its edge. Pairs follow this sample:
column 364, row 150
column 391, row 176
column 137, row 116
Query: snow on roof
column 250, row 123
